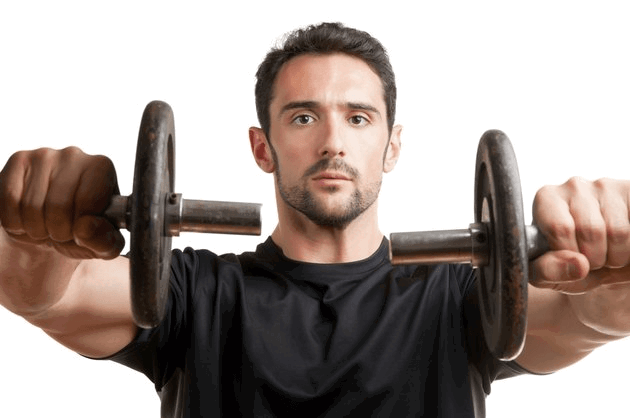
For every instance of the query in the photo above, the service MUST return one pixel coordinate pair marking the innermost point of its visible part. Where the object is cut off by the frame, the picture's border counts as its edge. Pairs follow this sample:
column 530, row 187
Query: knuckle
column 71, row 154
column 605, row 183
column 56, row 204
column 41, row 155
column 18, row 158
column 601, row 184
column 575, row 183
column 58, row 219
column 73, row 151
column 104, row 163
column 562, row 231
column 606, row 189
column 9, row 196
column 21, row 157
column 618, row 234
column 544, row 192
column 16, row 162
column 591, row 231
column 31, row 206
column 107, row 172
column 544, row 197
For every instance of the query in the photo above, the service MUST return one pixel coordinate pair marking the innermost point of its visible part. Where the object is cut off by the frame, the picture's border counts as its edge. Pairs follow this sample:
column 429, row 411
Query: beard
column 300, row 198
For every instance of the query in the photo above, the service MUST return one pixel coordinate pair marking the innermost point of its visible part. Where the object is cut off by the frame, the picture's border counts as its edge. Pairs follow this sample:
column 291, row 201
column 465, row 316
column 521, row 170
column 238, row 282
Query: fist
column 588, row 229
column 56, row 198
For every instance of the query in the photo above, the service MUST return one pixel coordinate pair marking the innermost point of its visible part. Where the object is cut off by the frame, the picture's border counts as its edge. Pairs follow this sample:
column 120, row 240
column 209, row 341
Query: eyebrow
column 311, row 104
column 306, row 104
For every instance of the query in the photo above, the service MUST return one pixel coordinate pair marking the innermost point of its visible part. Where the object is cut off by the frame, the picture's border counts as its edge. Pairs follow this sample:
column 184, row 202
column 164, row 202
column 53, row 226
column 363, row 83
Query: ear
column 261, row 150
column 393, row 149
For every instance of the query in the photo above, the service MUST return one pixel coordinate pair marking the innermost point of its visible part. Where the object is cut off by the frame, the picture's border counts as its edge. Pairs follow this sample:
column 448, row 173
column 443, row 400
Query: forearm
column 83, row 304
column 32, row 278
column 557, row 333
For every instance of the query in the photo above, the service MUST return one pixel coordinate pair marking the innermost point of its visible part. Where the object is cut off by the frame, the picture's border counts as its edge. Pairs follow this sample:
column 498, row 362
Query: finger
column 614, row 207
column 99, row 236
column 553, row 216
column 96, row 187
column 23, row 238
column 608, row 277
column 590, row 227
column 11, row 189
column 94, row 192
column 36, row 183
column 59, row 204
column 559, row 270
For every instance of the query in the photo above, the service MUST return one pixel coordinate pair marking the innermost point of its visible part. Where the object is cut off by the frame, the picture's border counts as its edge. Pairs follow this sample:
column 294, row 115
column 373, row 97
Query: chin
column 334, row 218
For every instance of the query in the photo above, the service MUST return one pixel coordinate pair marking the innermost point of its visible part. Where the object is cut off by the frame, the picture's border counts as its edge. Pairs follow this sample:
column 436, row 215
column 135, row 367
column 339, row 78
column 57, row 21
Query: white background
column 552, row 75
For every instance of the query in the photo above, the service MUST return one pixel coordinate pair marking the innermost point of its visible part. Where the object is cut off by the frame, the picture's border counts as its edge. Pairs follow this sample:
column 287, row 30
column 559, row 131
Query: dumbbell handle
column 183, row 215
column 471, row 246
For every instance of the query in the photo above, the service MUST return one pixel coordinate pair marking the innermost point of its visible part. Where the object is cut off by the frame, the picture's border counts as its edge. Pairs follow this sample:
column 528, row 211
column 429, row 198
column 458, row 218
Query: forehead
column 327, row 79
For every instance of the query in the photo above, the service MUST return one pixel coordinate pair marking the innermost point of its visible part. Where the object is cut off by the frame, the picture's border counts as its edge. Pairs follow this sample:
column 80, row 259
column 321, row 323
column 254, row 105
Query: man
column 315, row 322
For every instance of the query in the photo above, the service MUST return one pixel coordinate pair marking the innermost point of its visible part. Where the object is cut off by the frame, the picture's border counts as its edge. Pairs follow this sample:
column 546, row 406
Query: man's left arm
column 579, row 293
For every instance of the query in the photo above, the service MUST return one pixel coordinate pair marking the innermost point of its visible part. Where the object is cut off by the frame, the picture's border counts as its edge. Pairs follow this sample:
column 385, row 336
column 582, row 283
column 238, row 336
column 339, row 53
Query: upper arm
column 94, row 315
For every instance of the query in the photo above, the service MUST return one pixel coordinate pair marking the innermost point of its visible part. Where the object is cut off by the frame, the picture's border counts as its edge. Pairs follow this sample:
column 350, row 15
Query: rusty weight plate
column 150, row 245
column 503, row 282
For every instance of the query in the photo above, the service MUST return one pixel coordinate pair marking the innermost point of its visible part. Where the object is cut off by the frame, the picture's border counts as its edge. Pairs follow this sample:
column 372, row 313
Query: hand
column 56, row 198
column 588, row 229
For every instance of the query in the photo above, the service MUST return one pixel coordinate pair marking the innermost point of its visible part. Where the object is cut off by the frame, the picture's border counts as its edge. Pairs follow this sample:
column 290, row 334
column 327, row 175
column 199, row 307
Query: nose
column 332, row 140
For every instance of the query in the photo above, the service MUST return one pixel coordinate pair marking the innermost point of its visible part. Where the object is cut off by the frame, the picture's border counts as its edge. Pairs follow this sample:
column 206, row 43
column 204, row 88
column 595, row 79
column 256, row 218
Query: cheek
column 294, row 157
column 290, row 163
column 374, row 164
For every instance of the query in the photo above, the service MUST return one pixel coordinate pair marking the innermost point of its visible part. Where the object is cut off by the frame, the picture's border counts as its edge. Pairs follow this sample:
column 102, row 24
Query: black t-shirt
column 259, row 335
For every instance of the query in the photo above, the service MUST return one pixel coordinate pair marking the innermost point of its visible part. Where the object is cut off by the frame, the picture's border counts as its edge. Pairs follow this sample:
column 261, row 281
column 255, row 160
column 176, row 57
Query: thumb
column 99, row 236
column 560, row 270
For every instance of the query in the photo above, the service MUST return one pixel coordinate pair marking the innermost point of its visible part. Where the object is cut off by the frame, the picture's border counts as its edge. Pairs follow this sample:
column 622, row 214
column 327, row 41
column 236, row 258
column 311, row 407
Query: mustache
column 336, row 164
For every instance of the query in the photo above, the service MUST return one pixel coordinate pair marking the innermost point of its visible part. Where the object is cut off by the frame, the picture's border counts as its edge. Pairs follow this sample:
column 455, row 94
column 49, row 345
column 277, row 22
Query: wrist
column 33, row 277
column 604, row 310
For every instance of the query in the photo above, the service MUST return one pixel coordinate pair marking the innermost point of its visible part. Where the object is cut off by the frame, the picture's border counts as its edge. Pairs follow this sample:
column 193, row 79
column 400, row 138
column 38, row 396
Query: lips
column 331, row 176
column 331, row 170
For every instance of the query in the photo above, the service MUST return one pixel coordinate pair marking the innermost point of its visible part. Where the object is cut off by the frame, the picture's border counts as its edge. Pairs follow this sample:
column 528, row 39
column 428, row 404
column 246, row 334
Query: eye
column 303, row 119
column 358, row 120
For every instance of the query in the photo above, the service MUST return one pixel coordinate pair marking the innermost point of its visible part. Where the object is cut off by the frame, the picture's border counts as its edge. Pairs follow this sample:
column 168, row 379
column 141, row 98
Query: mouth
column 331, row 176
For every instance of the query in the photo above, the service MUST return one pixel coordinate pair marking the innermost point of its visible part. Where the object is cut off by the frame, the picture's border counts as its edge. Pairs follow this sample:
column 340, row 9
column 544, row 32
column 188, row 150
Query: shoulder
column 198, row 274
column 200, row 262
column 458, row 279
column 194, row 268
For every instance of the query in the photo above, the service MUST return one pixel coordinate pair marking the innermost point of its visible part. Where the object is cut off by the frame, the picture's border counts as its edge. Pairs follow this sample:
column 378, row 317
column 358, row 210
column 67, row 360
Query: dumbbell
column 153, row 214
column 498, row 244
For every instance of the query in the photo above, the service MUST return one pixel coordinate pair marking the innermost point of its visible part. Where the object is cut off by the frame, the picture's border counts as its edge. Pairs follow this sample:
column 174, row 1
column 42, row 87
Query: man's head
column 325, row 38
column 327, row 124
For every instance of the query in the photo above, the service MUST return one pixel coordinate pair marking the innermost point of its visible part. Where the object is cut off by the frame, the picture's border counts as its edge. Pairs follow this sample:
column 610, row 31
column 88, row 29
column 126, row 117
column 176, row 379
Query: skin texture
column 328, row 150
column 582, row 286
column 59, row 264
column 578, row 292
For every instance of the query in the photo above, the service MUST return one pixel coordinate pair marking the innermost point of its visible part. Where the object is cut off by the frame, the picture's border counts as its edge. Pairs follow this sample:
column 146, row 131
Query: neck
column 302, row 240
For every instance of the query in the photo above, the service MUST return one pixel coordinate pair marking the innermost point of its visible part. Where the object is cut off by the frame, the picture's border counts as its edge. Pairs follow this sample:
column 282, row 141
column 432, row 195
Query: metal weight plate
column 150, row 245
column 502, row 284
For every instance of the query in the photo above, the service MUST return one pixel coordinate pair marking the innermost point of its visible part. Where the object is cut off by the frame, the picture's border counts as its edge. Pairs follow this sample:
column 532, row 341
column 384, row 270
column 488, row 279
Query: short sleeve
column 157, row 352
column 489, row 368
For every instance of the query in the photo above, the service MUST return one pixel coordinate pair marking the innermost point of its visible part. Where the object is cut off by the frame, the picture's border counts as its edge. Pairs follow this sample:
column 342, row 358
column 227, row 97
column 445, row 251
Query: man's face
column 328, row 137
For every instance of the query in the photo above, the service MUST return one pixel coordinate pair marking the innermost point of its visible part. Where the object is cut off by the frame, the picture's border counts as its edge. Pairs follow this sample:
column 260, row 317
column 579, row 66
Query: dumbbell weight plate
column 150, row 245
column 502, row 283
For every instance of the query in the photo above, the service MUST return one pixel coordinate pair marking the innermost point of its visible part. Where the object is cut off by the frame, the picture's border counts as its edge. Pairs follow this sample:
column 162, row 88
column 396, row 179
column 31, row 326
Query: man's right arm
column 60, row 267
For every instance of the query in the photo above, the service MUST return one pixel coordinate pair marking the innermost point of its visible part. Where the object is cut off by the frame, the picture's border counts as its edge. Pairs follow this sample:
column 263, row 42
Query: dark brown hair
column 325, row 38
